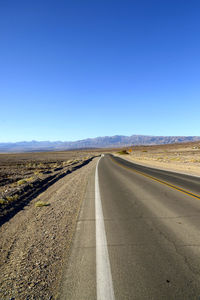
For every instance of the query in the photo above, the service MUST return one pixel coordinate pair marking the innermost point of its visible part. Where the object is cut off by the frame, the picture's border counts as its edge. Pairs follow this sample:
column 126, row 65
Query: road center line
column 158, row 180
column 103, row 271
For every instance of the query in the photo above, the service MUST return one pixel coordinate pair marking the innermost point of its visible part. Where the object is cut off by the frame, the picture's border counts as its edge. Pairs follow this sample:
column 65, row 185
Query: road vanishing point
column 137, row 235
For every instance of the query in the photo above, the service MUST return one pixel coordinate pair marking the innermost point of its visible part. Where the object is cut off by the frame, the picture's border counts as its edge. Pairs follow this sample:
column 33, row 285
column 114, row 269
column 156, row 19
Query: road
column 137, row 235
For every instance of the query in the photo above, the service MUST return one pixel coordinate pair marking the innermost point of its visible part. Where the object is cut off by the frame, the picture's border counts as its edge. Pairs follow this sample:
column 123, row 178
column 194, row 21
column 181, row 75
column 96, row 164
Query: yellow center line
column 160, row 181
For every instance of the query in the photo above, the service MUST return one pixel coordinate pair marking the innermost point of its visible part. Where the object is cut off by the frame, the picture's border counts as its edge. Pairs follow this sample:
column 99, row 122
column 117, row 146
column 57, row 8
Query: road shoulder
column 79, row 275
column 35, row 243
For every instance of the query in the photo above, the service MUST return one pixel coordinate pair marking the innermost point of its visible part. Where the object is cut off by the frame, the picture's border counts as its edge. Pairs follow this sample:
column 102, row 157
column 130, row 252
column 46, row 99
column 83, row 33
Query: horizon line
column 72, row 141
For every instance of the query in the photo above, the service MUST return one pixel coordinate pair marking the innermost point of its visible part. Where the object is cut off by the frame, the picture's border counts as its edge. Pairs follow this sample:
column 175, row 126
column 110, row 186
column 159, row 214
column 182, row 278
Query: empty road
column 137, row 236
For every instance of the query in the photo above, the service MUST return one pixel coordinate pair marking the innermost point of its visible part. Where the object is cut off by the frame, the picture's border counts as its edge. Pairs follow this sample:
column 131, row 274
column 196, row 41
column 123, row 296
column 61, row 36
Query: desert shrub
column 37, row 173
column 41, row 204
column 3, row 201
column 122, row 152
column 29, row 179
column 21, row 181
column 12, row 198
column 25, row 180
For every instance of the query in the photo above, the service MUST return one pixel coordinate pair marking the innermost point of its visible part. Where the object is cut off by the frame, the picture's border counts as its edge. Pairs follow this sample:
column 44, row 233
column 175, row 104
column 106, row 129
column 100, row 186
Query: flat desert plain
column 40, row 198
column 183, row 157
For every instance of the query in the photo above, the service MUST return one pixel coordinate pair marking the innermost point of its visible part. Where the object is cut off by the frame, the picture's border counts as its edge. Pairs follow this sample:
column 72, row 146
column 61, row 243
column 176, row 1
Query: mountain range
column 99, row 142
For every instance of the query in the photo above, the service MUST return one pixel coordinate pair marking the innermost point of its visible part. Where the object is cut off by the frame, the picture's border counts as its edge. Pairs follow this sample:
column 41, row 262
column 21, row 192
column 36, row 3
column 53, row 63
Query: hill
column 99, row 142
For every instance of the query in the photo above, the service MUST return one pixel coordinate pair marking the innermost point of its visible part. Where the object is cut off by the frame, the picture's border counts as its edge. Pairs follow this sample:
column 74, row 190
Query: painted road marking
column 104, row 282
column 160, row 181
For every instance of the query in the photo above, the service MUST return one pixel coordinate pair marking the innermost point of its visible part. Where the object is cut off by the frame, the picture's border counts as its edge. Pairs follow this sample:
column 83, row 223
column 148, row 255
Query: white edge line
column 104, row 282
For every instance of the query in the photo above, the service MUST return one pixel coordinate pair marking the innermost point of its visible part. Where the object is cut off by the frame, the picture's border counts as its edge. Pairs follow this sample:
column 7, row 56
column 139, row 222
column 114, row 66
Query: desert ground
column 183, row 157
column 23, row 176
column 40, row 199
column 40, row 194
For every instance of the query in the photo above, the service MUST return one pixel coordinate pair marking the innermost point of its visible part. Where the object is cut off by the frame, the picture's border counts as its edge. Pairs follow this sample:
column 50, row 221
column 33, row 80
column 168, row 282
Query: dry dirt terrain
column 41, row 194
column 184, row 157
column 40, row 199
column 23, row 176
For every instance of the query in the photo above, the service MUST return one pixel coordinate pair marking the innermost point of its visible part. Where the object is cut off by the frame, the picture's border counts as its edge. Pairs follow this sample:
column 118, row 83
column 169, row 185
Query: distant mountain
column 99, row 142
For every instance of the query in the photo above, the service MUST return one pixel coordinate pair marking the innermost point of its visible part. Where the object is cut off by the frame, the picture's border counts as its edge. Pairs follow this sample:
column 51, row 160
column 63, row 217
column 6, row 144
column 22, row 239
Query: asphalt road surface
column 137, row 237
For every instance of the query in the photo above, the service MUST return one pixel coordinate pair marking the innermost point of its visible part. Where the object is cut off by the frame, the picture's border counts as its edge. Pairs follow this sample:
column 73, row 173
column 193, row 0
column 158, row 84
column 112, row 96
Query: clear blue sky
column 76, row 69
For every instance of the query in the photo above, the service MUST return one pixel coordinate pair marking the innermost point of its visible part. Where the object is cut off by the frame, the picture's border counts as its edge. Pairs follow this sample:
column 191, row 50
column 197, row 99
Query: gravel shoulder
column 35, row 243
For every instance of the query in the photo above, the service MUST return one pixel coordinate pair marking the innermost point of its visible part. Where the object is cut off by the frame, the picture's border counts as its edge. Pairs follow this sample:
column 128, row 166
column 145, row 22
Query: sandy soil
column 25, row 175
column 183, row 157
column 21, row 168
column 35, row 243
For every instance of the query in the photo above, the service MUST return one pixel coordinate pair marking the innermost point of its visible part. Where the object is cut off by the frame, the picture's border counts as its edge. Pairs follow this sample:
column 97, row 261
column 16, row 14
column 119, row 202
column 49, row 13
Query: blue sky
column 77, row 69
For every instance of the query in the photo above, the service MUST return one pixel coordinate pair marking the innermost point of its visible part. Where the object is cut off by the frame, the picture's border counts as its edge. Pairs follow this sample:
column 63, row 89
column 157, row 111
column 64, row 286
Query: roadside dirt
column 35, row 242
column 23, row 176
column 183, row 157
